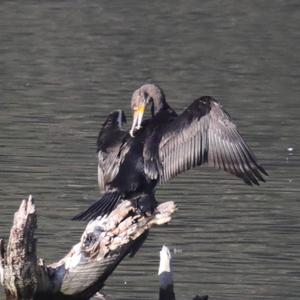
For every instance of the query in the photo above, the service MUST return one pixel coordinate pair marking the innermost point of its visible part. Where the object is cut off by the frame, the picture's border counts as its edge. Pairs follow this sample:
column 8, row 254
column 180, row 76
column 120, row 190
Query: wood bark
column 82, row 272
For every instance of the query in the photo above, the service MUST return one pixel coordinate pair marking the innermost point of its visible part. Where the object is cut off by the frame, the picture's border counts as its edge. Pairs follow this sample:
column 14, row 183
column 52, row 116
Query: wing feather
column 110, row 148
column 204, row 133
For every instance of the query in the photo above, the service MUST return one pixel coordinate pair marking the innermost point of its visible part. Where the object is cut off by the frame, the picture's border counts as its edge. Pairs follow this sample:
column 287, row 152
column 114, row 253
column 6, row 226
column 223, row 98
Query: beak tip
column 131, row 133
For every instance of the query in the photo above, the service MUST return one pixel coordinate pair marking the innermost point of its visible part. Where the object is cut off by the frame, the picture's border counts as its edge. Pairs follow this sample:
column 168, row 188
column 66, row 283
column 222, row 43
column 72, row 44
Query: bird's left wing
column 204, row 133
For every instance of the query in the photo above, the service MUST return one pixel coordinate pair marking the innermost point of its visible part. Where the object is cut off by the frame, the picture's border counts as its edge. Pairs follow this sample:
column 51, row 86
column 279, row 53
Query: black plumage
column 120, row 170
column 159, row 148
column 109, row 141
column 202, row 133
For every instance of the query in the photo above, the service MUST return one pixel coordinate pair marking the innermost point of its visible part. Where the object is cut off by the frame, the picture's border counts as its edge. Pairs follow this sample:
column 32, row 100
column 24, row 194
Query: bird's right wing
column 109, row 163
column 100, row 173
column 109, row 143
column 204, row 133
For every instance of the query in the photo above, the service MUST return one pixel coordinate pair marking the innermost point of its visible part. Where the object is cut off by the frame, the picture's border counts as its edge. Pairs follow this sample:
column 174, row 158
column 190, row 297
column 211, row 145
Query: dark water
column 64, row 65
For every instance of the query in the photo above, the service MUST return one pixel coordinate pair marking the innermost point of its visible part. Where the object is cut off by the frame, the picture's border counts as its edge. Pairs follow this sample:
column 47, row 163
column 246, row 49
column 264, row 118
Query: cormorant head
column 147, row 95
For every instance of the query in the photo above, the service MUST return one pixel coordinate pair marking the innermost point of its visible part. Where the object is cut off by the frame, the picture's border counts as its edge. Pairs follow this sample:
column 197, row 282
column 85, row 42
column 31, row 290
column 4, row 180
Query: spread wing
column 204, row 133
column 110, row 159
column 109, row 143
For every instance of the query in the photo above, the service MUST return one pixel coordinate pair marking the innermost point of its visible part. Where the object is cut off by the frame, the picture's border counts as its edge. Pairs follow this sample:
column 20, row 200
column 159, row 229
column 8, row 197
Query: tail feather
column 100, row 208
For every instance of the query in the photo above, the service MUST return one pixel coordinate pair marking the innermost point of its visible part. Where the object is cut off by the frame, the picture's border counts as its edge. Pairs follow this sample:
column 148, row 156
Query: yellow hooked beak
column 137, row 118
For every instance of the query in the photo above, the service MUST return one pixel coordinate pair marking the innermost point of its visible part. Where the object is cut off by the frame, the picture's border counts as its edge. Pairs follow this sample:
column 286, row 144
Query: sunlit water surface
column 66, row 64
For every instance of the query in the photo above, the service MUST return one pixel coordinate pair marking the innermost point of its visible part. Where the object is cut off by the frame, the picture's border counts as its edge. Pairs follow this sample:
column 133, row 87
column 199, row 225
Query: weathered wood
column 19, row 261
column 83, row 271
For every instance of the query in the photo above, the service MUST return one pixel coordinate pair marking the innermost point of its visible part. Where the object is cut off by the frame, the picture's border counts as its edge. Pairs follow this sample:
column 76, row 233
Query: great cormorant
column 202, row 133
column 159, row 148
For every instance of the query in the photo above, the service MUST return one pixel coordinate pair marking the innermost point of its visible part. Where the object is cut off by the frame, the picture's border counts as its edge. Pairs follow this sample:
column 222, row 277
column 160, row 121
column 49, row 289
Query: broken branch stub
column 19, row 262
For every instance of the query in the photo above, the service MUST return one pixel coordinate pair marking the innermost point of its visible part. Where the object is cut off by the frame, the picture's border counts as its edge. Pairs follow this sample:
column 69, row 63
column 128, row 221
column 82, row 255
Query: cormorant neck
column 159, row 103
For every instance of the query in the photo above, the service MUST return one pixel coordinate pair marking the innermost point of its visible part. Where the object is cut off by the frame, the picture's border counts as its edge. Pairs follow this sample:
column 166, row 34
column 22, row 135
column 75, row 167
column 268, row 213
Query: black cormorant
column 157, row 149
column 202, row 133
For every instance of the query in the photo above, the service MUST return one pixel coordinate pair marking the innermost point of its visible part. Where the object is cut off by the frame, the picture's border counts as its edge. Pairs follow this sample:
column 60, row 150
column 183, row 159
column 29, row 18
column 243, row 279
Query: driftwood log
column 83, row 271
